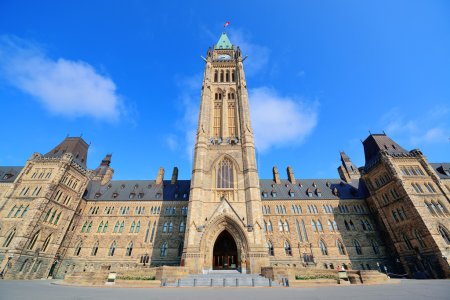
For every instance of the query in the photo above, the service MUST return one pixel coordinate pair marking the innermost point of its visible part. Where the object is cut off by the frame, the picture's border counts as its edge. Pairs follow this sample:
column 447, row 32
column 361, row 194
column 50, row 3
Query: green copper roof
column 224, row 42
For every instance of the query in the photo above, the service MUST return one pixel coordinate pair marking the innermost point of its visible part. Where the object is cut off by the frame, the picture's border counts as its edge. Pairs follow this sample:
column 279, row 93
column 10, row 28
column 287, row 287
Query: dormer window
column 114, row 195
column 132, row 195
column 291, row 193
column 184, row 195
column 109, row 186
column 309, row 192
column 149, row 186
column 274, row 194
column 158, row 195
column 135, row 186
column 122, row 186
column 141, row 195
column 7, row 176
column 264, row 194
column 318, row 193
column 97, row 195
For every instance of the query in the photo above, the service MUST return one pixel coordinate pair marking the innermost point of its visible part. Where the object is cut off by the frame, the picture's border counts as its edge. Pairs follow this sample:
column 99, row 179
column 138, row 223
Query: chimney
column 160, row 177
column 290, row 174
column 174, row 175
column 276, row 176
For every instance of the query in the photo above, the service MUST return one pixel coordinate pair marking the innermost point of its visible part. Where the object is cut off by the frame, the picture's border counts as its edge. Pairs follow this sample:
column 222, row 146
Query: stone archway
column 225, row 255
column 228, row 229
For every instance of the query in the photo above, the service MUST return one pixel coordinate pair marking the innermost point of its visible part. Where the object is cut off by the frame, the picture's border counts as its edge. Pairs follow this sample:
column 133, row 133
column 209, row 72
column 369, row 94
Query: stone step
column 223, row 280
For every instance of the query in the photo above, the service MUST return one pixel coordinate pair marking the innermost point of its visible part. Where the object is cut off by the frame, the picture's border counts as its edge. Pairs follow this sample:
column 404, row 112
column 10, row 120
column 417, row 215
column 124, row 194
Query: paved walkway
column 407, row 289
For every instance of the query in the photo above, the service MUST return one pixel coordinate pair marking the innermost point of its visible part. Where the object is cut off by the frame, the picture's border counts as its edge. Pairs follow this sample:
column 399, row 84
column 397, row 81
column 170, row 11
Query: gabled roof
column 375, row 143
column 75, row 145
column 9, row 174
column 224, row 42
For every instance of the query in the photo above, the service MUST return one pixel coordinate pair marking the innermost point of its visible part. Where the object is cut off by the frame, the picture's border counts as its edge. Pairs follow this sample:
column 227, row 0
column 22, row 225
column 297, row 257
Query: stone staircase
column 222, row 279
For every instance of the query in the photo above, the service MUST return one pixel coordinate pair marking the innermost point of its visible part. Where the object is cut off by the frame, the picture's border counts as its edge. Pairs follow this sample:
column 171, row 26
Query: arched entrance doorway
column 225, row 255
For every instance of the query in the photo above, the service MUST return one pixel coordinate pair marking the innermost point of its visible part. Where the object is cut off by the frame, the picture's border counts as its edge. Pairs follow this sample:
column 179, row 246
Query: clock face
column 224, row 57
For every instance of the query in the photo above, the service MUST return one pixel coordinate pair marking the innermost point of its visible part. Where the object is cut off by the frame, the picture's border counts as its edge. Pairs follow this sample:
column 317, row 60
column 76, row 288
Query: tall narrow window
column 33, row 241
column 163, row 250
column 115, row 227
column 100, row 227
column 153, row 232
column 221, row 76
column 9, row 238
column 280, row 226
column 227, row 76
column 231, row 119
column 132, row 227
column 129, row 249
column 375, row 246
column 181, row 227
column 46, row 242
column 78, row 248
column 286, row 226
column 287, row 248
column 105, row 227
column 122, row 225
column 233, row 78
column 180, row 248
column 217, row 119
column 94, row 249
column 323, row 248
column 340, row 247
column 444, row 233
column 138, row 227
column 112, row 249
column 419, row 238
column 216, row 75
column 269, row 226
column 270, row 248
column 225, row 174
column 298, row 231
column 319, row 226
column 147, row 232
column 304, row 231
column 357, row 247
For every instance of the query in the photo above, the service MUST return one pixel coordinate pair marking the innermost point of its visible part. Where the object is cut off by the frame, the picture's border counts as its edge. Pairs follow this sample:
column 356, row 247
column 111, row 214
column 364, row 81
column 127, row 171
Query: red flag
column 226, row 24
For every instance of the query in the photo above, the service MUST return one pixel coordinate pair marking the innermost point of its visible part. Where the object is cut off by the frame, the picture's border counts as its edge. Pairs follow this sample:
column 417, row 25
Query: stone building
column 58, row 217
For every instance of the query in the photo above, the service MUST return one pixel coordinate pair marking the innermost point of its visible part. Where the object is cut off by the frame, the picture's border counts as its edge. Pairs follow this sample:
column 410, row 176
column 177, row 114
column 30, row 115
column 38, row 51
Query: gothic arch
column 215, row 228
column 219, row 158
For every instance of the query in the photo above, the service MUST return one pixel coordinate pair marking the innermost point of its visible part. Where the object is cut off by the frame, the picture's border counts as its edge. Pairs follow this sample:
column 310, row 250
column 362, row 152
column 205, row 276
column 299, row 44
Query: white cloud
column 430, row 128
column 280, row 121
column 64, row 87
column 258, row 56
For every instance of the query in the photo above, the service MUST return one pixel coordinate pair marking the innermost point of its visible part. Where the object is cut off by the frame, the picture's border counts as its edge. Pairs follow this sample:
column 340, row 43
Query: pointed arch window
column 164, row 227
column 357, row 247
column 269, row 226
column 94, row 249
column 89, row 227
column 225, row 174
column 340, row 247
column 33, row 240
column 147, row 232
column 419, row 238
column 407, row 242
column 305, row 234
column 24, row 211
column 153, row 232
column 280, row 226
column 217, row 118
column 323, row 247
column 170, row 227
column 216, row 76
column 319, row 226
column 227, row 76
column 18, row 211
column 100, row 227
column 232, row 119
column 270, row 248
column 105, row 227
column 444, row 234
column 163, row 250
column 352, row 226
column 313, row 225
column 132, row 227
column 83, row 229
column 116, row 227
column 78, row 248
column 233, row 76
column 57, row 218
column 286, row 226
column 129, row 249
column 180, row 248
column 221, row 76
column 330, row 225
column 182, row 227
column 346, row 225
column 11, row 211
column 46, row 243
column 112, row 249
column 9, row 238
column 287, row 248
column 138, row 227
column 300, row 238
column 375, row 246
column 122, row 225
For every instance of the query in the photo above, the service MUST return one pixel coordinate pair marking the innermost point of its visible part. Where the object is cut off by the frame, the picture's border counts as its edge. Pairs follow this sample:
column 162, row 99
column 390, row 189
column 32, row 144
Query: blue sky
column 127, row 75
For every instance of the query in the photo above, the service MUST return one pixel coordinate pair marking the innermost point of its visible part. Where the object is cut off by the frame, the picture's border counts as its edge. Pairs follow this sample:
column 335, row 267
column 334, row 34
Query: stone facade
column 59, row 218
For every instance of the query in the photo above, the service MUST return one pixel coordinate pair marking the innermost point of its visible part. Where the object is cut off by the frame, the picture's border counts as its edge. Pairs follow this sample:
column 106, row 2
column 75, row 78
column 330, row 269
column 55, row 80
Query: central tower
column 225, row 202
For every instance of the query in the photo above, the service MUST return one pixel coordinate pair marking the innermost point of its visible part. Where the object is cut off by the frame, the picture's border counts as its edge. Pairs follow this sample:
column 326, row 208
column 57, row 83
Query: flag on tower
column 226, row 24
